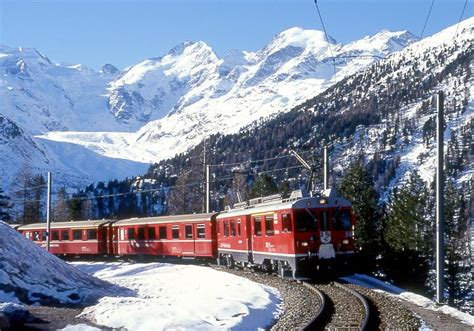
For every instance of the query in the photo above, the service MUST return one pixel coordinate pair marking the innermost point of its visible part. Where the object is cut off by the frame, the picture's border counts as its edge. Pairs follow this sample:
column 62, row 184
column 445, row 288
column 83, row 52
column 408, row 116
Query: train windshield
column 342, row 220
column 305, row 220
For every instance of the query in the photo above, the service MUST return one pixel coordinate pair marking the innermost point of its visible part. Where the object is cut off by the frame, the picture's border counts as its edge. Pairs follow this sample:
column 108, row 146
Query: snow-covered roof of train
column 327, row 199
column 165, row 219
column 71, row 224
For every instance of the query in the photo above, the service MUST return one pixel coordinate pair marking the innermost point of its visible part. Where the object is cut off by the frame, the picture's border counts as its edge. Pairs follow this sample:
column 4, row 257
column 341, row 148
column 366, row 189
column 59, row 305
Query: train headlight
column 345, row 242
column 304, row 243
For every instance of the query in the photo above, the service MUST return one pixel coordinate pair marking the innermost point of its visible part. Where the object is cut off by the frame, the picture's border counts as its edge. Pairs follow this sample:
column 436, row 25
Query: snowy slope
column 181, row 297
column 38, row 96
column 412, row 151
column 29, row 274
column 191, row 93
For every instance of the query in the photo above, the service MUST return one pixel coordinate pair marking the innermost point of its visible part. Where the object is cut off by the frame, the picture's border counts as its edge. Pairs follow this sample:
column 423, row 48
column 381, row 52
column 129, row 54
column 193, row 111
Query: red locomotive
column 284, row 235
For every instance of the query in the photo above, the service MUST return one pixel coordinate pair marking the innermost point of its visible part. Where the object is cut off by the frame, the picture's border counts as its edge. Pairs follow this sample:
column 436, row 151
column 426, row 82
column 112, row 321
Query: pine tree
column 5, row 205
column 409, row 220
column 61, row 212
column 263, row 186
column 409, row 234
column 458, row 278
column 358, row 187
column 186, row 197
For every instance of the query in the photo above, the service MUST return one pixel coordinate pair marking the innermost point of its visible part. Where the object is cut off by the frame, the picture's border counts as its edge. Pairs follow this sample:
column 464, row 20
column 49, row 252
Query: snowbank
column 15, row 312
column 181, row 297
column 29, row 274
column 374, row 283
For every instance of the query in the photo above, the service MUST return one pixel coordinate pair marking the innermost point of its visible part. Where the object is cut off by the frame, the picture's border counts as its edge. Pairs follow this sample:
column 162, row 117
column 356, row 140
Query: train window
column 226, row 228
column 152, row 233
column 131, row 233
column 233, row 228
column 324, row 221
column 239, row 228
column 188, row 231
column 257, row 226
column 175, row 231
column 36, row 236
column 65, row 235
column 269, row 230
column 43, row 235
column 286, row 222
column 91, row 234
column 219, row 224
column 76, row 234
column 305, row 220
column 163, row 232
column 55, row 235
column 342, row 220
column 141, row 233
column 201, row 231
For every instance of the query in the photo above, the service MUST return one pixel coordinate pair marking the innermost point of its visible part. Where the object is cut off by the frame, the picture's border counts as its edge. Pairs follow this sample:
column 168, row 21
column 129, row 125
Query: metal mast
column 307, row 166
column 204, row 170
column 326, row 168
column 48, row 214
column 440, row 202
column 208, row 191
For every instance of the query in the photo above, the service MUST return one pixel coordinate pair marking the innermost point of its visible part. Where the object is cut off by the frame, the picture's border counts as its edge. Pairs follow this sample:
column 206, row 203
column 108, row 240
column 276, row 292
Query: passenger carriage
column 285, row 235
column 72, row 238
column 187, row 236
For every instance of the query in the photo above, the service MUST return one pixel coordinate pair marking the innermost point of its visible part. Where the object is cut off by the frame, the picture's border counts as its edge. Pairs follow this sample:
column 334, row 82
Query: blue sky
column 94, row 32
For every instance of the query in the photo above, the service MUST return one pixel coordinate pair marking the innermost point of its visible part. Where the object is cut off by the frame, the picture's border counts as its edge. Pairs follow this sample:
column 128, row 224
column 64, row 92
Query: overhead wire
column 460, row 17
column 326, row 36
column 169, row 187
column 427, row 18
column 29, row 188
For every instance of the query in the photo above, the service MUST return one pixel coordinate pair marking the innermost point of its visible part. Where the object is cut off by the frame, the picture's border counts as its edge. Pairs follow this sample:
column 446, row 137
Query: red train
column 283, row 235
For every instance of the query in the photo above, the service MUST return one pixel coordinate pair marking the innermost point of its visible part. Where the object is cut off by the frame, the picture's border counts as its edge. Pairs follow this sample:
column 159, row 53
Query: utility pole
column 204, row 171
column 326, row 168
column 48, row 214
column 440, row 202
column 208, row 192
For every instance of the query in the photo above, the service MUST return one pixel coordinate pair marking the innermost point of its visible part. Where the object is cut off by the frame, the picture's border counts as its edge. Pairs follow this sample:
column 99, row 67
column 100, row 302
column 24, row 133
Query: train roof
column 328, row 199
column 71, row 224
column 14, row 225
column 166, row 219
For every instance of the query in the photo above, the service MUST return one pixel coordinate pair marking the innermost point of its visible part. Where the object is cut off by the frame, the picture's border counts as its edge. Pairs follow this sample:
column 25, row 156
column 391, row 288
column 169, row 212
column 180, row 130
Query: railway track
column 311, row 306
column 342, row 308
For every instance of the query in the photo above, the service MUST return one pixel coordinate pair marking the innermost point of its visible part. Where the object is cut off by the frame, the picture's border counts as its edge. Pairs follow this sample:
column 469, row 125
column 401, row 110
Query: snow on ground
column 374, row 283
column 29, row 274
column 181, row 296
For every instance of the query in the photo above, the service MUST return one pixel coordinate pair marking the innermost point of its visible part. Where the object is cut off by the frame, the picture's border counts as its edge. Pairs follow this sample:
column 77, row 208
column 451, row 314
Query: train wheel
column 229, row 261
column 281, row 269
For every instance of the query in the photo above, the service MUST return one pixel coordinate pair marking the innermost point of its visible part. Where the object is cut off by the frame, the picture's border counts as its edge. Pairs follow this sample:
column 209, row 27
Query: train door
column 189, row 247
column 249, row 233
column 114, row 239
column 201, row 245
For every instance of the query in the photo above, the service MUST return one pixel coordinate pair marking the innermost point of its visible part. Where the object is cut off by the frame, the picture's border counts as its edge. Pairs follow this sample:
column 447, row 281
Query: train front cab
column 289, row 237
column 323, row 237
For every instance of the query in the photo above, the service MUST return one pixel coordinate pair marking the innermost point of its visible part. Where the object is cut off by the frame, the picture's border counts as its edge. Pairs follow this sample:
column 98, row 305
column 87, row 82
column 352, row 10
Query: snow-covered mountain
column 162, row 106
column 191, row 93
